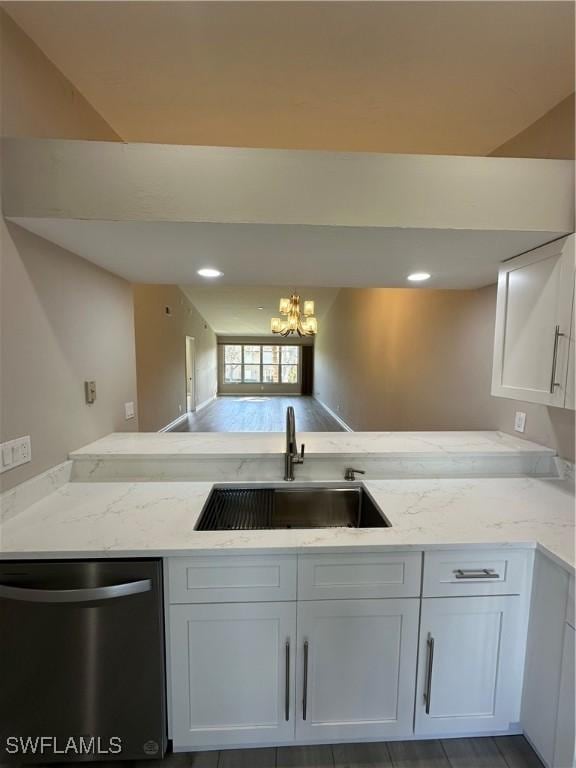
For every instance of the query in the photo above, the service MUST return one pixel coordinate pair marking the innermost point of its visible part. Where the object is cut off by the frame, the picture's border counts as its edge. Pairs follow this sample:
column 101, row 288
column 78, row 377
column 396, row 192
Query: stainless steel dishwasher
column 81, row 661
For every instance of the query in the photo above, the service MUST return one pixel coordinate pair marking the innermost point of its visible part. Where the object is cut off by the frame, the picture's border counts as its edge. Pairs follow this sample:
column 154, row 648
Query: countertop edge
column 282, row 550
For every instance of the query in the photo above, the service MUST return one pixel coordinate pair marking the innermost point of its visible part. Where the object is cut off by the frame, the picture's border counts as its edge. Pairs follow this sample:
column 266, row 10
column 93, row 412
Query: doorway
column 190, row 374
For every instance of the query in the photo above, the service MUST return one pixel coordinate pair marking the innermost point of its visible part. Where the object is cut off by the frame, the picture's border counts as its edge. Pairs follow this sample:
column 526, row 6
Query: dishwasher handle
column 31, row 595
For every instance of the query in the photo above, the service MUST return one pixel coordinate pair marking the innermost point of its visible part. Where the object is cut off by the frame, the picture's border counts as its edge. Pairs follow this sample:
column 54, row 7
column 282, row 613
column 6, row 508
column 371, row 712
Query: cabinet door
column 532, row 332
column 469, row 665
column 232, row 673
column 564, row 752
column 356, row 668
column 544, row 655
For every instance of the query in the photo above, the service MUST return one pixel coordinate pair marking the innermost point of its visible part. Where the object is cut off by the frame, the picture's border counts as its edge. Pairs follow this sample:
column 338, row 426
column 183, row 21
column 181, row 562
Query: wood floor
column 501, row 752
column 259, row 414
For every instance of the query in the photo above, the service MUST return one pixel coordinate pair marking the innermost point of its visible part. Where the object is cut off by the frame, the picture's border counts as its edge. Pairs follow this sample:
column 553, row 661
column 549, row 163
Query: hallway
column 259, row 414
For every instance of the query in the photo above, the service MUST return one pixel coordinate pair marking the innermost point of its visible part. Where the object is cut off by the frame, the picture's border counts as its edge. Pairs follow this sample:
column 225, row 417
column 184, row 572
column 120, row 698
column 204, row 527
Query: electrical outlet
column 520, row 421
column 15, row 453
column 129, row 411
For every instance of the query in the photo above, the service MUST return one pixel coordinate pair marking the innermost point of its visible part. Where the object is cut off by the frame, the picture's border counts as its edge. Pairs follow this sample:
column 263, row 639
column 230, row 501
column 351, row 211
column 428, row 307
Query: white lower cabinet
column 356, row 668
column 564, row 748
column 234, row 666
column 469, row 665
column 544, row 658
column 255, row 672
column 232, row 673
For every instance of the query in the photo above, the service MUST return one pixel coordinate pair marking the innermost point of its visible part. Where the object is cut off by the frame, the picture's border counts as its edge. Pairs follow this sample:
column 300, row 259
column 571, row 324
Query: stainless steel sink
column 244, row 508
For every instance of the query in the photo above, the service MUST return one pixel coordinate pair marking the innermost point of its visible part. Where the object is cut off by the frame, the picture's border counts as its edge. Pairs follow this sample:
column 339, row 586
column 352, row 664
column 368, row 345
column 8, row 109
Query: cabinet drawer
column 338, row 577
column 225, row 579
column 482, row 572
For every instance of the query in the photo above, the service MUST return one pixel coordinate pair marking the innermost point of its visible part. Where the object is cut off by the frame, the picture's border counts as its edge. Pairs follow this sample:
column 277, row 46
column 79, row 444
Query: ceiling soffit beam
column 149, row 182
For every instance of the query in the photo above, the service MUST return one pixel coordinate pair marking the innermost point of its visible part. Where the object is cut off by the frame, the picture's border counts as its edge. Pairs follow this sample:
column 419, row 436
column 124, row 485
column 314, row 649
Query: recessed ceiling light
column 417, row 277
column 209, row 272
column 259, row 307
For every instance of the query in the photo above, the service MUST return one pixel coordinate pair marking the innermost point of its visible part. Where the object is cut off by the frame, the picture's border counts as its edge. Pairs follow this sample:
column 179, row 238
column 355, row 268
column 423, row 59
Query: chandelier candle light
column 295, row 320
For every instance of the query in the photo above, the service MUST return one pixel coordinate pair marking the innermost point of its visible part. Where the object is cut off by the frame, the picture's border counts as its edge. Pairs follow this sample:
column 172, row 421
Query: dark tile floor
column 487, row 752
column 500, row 752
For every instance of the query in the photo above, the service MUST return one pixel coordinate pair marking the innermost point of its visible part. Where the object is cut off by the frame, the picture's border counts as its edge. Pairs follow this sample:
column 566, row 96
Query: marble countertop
column 157, row 519
column 153, row 445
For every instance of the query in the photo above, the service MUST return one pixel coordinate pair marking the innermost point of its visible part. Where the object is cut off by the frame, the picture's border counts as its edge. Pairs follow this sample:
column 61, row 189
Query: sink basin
column 248, row 508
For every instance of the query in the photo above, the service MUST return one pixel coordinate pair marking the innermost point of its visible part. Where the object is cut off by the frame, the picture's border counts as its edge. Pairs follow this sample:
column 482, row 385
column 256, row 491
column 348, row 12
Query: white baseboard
column 204, row 403
column 174, row 423
column 334, row 415
column 184, row 416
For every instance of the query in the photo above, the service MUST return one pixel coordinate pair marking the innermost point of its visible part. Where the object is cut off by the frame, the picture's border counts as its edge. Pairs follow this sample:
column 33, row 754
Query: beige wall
column 161, row 354
column 37, row 100
column 407, row 359
column 421, row 359
column 62, row 319
column 411, row 359
column 552, row 136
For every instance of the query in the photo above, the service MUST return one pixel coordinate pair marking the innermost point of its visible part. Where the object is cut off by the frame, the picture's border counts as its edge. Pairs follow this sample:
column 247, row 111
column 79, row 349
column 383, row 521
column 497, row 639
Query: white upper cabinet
column 535, row 326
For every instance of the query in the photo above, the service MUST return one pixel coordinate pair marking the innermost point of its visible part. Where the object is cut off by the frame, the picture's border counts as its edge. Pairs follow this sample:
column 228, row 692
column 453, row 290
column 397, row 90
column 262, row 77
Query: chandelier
column 295, row 320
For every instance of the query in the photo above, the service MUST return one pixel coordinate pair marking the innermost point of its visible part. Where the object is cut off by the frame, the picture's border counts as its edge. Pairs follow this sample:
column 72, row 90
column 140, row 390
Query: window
column 261, row 363
column 251, row 363
column 270, row 362
column 289, row 365
column 232, row 363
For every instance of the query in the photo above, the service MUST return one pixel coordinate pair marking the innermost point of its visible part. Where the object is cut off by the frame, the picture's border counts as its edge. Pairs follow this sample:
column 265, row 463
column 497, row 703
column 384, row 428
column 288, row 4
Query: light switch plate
column 129, row 411
column 6, row 456
column 90, row 391
column 520, row 421
column 15, row 452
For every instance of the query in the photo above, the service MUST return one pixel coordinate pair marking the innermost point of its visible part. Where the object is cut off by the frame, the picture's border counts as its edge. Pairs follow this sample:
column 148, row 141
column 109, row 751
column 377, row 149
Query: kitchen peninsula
column 142, row 494
column 452, row 600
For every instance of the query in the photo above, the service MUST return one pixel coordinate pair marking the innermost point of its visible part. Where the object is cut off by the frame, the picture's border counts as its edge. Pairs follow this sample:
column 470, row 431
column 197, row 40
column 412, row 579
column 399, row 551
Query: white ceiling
column 233, row 310
column 287, row 255
column 411, row 77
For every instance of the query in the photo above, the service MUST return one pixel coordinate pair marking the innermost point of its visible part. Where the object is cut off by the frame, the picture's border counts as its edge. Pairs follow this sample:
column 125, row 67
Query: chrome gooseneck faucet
column 291, row 456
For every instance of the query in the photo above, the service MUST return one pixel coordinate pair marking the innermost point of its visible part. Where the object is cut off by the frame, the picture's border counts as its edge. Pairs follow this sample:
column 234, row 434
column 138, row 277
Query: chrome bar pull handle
column 305, row 683
column 480, row 573
column 553, row 382
column 287, row 693
column 428, row 687
column 34, row 595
